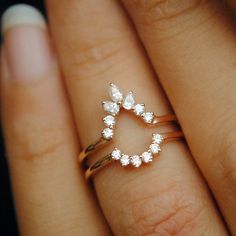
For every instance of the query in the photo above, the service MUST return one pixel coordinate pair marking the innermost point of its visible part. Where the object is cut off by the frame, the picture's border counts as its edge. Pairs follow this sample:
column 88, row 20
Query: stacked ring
column 112, row 108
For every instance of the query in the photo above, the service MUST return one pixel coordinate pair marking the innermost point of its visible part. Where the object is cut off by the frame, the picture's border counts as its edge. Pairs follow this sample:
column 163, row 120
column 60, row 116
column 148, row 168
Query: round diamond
column 115, row 93
column 157, row 138
column 155, row 148
column 139, row 109
column 109, row 121
column 146, row 157
column 136, row 161
column 148, row 117
column 116, row 154
column 124, row 160
column 107, row 133
column 111, row 107
column 129, row 101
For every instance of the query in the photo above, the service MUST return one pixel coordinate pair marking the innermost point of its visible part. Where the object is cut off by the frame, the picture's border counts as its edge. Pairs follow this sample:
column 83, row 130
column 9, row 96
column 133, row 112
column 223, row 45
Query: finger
column 50, row 195
column 193, row 46
column 96, row 46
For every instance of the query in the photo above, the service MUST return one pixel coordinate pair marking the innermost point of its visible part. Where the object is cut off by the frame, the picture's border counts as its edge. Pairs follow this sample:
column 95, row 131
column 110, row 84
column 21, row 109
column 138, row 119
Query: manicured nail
column 27, row 50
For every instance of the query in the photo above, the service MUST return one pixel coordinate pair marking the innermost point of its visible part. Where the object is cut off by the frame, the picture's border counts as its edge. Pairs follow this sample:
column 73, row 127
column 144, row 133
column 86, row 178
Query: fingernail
column 27, row 52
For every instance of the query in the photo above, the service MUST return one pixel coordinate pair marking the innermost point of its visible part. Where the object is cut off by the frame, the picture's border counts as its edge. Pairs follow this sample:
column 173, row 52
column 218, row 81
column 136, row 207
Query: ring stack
column 113, row 107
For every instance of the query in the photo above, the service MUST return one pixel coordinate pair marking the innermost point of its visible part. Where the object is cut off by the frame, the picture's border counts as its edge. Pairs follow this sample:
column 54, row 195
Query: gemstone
column 111, row 107
column 136, row 161
column 129, row 101
column 148, row 117
column 155, row 148
column 157, row 138
column 115, row 93
column 107, row 133
column 146, row 157
column 124, row 160
column 109, row 121
column 116, row 154
column 139, row 109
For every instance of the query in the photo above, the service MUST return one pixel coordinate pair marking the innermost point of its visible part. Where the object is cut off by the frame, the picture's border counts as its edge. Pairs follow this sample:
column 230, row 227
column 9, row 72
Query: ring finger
column 96, row 44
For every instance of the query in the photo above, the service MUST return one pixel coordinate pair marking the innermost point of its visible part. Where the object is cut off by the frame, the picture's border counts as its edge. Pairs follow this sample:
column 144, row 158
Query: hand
column 190, row 47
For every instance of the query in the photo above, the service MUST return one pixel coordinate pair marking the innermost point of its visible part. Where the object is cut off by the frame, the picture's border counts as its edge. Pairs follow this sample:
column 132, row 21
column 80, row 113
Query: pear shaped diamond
column 129, row 101
column 111, row 107
column 115, row 93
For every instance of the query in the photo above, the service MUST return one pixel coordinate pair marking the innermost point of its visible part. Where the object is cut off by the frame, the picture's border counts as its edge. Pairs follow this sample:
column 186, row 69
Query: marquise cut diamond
column 111, row 107
column 129, row 101
column 136, row 161
column 115, row 93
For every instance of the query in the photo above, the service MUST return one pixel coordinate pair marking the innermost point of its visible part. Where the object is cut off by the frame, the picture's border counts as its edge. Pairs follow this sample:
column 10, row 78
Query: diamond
column 109, row 121
column 111, row 107
column 124, row 160
column 139, row 109
column 107, row 133
column 129, row 101
column 148, row 117
column 136, row 161
column 146, row 157
column 116, row 154
column 155, row 148
column 157, row 138
column 115, row 93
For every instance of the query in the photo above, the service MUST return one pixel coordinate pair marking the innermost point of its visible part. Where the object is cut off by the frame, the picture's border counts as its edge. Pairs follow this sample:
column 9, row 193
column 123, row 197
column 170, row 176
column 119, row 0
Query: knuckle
column 95, row 58
column 168, row 212
column 158, row 10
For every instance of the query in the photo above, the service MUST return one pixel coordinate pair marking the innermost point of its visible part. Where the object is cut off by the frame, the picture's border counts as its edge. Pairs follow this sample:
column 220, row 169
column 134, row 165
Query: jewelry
column 135, row 160
column 112, row 108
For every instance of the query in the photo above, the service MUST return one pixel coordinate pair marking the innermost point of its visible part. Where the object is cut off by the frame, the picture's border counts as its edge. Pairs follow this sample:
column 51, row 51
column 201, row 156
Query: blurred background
column 8, row 225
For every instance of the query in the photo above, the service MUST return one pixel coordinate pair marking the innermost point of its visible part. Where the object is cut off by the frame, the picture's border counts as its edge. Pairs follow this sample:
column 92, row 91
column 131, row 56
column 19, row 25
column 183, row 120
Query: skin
column 186, row 48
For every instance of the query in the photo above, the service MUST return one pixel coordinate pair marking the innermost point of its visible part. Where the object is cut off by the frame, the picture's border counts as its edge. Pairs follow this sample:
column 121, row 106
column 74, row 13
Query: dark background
column 8, row 226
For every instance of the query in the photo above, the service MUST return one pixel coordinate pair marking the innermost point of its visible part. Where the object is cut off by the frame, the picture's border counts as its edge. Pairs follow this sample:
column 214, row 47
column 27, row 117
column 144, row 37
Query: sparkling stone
column 116, row 154
column 157, row 138
column 107, row 133
column 148, row 117
column 155, row 148
column 136, row 161
column 109, row 121
column 146, row 157
column 111, row 107
column 139, row 109
column 115, row 93
column 129, row 101
column 124, row 160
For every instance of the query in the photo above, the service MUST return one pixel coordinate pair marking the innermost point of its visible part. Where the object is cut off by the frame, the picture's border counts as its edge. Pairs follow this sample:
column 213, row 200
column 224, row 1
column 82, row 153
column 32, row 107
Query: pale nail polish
column 27, row 48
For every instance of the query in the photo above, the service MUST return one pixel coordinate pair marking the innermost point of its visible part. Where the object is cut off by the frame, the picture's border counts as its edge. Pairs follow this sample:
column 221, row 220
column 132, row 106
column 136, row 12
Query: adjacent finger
column 192, row 45
column 50, row 194
column 97, row 45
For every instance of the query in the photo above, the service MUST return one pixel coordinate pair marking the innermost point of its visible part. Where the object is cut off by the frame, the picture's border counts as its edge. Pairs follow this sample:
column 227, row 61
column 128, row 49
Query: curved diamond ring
column 112, row 108
column 135, row 160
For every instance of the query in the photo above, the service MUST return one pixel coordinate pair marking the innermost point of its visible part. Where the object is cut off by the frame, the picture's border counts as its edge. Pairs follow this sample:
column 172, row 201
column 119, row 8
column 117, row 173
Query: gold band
column 167, row 137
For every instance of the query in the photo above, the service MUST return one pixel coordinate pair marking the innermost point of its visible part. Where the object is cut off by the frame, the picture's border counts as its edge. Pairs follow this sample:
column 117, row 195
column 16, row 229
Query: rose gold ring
column 112, row 108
